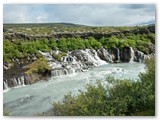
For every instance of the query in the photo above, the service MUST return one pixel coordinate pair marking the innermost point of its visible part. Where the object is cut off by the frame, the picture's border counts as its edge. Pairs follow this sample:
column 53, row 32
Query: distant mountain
column 147, row 23
column 69, row 24
column 63, row 24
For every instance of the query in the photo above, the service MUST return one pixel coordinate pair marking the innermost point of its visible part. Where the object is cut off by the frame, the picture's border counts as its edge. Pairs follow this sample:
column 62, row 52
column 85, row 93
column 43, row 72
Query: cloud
column 87, row 14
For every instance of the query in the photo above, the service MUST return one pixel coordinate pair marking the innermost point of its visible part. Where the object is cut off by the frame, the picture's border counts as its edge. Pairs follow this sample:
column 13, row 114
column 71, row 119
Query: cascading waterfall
column 104, row 55
column 71, row 65
column 66, row 72
column 71, row 71
column 68, row 59
column 61, row 72
column 93, row 57
column 132, row 54
column 100, row 62
column 46, row 55
column 16, row 82
column 22, row 82
column 19, row 81
column 140, row 56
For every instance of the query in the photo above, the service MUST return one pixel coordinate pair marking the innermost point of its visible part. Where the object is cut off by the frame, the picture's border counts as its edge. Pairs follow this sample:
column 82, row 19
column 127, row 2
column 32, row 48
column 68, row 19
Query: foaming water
column 37, row 98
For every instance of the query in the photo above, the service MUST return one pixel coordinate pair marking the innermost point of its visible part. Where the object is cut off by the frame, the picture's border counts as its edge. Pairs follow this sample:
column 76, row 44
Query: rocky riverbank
column 72, row 62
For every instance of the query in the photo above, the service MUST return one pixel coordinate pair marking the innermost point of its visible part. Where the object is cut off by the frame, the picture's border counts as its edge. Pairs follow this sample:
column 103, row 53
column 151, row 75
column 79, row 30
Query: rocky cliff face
column 12, row 36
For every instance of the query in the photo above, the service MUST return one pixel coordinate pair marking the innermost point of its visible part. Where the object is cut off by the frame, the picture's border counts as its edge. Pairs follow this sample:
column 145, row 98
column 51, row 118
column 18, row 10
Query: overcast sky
column 86, row 14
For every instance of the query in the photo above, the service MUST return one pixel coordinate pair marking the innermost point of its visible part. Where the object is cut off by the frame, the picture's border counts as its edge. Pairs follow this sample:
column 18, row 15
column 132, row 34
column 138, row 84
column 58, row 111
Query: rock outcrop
column 12, row 36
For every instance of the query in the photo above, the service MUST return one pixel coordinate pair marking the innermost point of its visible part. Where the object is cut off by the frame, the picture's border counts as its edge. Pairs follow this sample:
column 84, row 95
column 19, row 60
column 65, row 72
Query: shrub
column 148, row 83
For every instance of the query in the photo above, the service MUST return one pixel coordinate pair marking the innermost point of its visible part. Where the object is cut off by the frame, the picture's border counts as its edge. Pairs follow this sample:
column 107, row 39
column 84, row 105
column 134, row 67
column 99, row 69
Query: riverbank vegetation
column 116, row 98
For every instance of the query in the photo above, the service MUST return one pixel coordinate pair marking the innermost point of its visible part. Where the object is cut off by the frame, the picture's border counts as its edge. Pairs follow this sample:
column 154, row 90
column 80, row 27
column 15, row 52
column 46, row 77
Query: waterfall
column 118, row 57
column 15, row 82
column 46, row 55
column 61, row 72
column 68, row 59
column 5, row 85
column 131, row 54
column 75, row 61
column 71, row 71
column 22, row 81
column 19, row 81
column 55, row 73
column 92, row 56
column 66, row 72
column 140, row 56
column 104, row 55
column 100, row 62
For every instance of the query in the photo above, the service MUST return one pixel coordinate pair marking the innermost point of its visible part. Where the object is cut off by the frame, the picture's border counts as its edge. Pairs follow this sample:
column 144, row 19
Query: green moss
column 39, row 66
column 58, row 56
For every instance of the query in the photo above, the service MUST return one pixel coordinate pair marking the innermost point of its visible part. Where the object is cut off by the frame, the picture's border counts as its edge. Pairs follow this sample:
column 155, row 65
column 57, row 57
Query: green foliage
column 10, row 51
column 117, row 98
column 58, row 56
column 52, row 44
column 83, row 104
column 62, row 45
column 148, row 83
column 39, row 66
column 112, row 42
column 141, row 42
column 143, row 49
column 69, row 44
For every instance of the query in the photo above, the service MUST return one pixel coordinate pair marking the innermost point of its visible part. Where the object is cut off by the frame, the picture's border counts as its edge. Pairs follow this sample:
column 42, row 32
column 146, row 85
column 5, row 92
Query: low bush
column 38, row 66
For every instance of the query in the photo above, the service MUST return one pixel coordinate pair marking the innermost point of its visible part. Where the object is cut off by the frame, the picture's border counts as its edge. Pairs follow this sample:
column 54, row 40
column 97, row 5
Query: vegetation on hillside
column 117, row 98
column 21, row 48
column 54, row 28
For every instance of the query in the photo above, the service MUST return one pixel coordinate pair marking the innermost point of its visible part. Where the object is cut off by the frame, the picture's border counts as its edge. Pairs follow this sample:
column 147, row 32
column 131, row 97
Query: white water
column 93, row 57
column 132, row 54
column 37, row 98
column 5, row 85
column 118, row 56
column 19, row 82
